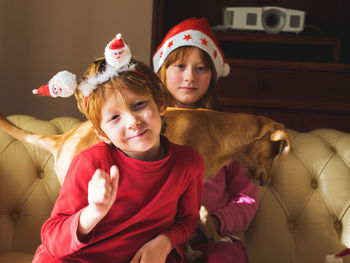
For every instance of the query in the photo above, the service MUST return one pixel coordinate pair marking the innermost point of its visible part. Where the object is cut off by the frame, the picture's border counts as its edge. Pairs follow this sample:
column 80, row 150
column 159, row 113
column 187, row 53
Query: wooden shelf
column 274, row 64
column 289, row 39
column 285, row 104
column 262, row 37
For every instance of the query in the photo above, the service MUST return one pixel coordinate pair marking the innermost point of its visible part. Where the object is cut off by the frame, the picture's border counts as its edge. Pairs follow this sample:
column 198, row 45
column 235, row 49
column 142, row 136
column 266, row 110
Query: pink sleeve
column 241, row 201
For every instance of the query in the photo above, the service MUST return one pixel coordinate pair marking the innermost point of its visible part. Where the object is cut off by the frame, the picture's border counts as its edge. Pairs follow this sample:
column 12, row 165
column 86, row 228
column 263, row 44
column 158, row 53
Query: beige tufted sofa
column 303, row 214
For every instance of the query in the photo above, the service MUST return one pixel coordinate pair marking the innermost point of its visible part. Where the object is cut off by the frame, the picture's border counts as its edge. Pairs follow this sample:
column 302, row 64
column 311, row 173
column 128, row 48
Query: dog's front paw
column 191, row 255
column 223, row 239
column 204, row 214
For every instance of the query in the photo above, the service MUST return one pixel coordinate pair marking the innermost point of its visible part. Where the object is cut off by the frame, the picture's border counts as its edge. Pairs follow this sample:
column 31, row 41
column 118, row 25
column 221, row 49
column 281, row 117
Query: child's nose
column 133, row 121
column 190, row 74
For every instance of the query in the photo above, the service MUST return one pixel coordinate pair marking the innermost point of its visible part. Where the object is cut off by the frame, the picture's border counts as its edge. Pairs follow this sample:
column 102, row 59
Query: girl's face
column 188, row 80
column 133, row 126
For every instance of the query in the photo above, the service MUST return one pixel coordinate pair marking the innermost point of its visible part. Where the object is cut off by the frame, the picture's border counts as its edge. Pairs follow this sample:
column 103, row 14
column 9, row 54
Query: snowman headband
column 63, row 84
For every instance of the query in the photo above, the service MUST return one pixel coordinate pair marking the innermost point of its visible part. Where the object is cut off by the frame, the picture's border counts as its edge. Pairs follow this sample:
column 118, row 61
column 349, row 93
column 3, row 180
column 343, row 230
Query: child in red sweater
column 135, row 196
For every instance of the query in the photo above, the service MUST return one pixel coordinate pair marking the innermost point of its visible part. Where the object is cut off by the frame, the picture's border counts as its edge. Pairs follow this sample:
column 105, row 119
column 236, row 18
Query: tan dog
column 255, row 141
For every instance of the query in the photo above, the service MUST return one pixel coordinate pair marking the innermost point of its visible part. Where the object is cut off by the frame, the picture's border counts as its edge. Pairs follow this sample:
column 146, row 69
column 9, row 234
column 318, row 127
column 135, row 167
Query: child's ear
column 102, row 137
column 162, row 110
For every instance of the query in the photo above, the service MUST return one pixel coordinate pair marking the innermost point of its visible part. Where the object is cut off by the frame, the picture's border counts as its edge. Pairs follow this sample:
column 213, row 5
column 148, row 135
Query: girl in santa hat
column 189, row 61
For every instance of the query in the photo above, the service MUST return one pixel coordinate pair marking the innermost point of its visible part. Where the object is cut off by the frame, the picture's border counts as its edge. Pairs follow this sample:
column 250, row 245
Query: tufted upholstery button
column 291, row 225
column 314, row 184
column 14, row 216
column 332, row 149
column 41, row 175
column 338, row 225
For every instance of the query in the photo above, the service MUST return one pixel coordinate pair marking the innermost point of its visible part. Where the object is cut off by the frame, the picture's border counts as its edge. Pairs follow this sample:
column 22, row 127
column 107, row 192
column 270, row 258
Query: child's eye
column 114, row 117
column 201, row 68
column 139, row 104
column 179, row 66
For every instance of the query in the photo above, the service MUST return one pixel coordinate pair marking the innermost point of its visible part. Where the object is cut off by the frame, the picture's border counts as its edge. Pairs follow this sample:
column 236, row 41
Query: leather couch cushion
column 304, row 213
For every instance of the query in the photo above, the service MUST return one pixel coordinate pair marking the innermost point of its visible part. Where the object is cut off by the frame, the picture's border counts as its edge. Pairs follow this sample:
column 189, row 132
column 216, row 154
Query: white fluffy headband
column 64, row 83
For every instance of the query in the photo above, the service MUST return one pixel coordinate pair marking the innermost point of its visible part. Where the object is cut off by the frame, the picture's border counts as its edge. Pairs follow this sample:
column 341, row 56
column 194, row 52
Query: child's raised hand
column 102, row 192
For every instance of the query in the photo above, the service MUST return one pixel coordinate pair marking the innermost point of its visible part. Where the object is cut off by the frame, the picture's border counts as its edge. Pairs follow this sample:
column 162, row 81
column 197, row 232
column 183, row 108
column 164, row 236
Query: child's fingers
column 114, row 179
column 99, row 187
column 136, row 258
column 114, row 174
column 99, row 175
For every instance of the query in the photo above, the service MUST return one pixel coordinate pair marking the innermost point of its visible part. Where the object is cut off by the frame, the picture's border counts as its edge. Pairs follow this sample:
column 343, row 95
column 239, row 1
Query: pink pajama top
column 160, row 197
column 232, row 198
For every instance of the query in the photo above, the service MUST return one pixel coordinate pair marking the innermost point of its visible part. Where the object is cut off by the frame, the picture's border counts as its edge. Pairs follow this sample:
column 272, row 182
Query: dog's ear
column 278, row 134
column 281, row 136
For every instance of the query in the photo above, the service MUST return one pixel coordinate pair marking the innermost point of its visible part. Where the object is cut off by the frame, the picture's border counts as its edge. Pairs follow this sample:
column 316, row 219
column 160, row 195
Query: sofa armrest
column 28, row 186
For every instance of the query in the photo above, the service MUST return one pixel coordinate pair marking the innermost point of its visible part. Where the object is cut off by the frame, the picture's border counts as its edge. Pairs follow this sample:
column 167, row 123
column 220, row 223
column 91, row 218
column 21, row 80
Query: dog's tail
column 46, row 142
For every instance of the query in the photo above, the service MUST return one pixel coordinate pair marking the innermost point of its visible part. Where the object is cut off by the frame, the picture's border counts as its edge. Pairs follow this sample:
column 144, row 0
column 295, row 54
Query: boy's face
column 188, row 80
column 133, row 127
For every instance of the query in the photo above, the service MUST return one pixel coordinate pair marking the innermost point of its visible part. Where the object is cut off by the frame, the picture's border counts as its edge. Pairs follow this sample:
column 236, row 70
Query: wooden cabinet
column 303, row 96
column 300, row 80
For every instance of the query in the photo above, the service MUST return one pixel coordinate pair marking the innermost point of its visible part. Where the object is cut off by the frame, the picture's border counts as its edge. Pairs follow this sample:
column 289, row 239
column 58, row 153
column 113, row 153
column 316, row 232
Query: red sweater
column 161, row 197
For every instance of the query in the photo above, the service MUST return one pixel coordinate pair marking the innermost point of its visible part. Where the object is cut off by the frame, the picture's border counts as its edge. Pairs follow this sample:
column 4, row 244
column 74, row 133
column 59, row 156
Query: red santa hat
column 337, row 258
column 117, row 42
column 192, row 32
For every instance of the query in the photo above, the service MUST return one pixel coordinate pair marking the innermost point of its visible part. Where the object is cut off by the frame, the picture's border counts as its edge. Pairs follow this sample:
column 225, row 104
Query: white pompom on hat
column 192, row 32
column 62, row 84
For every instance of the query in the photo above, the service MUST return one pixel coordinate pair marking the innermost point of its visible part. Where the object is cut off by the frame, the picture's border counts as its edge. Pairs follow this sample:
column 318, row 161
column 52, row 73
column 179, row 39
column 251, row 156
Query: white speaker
column 272, row 19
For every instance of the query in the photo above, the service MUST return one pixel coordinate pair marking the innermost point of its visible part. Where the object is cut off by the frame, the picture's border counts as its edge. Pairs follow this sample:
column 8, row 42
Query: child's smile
column 138, row 135
column 132, row 124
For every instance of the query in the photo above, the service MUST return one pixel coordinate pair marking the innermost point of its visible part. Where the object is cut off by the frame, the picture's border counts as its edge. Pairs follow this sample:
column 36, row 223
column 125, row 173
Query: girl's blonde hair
column 141, row 80
column 209, row 100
